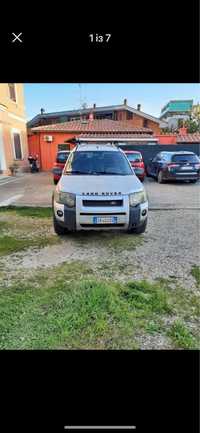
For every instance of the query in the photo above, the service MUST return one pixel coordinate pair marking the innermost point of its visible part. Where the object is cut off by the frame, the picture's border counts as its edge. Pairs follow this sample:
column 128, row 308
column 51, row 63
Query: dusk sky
column 58, row 97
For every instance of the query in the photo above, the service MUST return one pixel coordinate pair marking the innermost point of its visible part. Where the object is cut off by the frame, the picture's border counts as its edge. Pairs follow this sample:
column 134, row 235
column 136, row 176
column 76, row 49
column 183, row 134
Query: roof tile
column 100, row 126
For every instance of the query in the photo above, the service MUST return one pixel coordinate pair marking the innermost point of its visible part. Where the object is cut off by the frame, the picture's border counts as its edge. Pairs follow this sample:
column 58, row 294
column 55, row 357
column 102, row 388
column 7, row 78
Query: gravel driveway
column 168, row 249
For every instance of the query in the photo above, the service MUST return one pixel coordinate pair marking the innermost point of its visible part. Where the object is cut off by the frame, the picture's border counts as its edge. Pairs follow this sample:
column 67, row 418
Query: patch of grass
column 181, row 336
column 33, row 212
column 72, row 306
column 145, row 297
column 67, row 307
column 153, row 327
column 196, row 274
column 10, row 244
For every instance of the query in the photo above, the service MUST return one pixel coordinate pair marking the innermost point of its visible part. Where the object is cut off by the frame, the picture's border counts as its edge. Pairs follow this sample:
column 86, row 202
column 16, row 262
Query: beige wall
column 12, row 119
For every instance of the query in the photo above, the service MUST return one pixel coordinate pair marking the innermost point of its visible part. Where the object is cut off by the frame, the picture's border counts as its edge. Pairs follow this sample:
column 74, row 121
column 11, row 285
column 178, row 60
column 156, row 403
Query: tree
column 193, row 124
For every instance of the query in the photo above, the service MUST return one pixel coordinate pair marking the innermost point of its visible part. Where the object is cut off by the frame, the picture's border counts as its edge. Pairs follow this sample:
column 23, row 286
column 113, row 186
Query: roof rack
column 84, row 142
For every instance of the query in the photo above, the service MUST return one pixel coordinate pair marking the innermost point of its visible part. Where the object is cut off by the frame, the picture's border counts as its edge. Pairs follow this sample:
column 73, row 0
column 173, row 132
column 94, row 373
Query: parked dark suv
column 179, row 165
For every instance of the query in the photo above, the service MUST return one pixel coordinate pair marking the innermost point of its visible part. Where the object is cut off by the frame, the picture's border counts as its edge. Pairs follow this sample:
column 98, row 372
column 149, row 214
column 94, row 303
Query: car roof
column 178, row 152
column 132, row 151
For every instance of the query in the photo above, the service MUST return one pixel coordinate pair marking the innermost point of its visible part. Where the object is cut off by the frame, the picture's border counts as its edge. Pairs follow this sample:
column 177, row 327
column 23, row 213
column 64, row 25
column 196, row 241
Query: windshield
column 185, row 158
column 62, row 157
column 97, row 163
column 134, row 157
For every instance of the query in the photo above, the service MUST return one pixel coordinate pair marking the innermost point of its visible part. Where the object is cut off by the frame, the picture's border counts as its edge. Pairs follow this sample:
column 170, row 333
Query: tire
column 59, row 230
column 193, row 180
column 160, row 177
column 139, row 230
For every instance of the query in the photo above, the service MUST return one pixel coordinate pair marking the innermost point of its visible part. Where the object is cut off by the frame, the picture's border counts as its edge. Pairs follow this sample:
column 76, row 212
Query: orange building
column 48, row 139
column 13, row 133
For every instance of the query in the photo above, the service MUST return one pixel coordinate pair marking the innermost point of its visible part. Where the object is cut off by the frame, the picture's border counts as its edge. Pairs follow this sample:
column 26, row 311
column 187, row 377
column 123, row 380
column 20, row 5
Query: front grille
column 102, row 203
column 102, row 225
column 102, row 213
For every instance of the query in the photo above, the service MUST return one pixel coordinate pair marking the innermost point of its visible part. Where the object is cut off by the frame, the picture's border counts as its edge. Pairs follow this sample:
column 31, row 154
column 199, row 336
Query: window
column 145, row 123
column 12, row 91
column 187, row 157
column 134, row 157
column 63, row 146
column 97, row 163
column 129, row 115
column 17, row 145
column 62, row 157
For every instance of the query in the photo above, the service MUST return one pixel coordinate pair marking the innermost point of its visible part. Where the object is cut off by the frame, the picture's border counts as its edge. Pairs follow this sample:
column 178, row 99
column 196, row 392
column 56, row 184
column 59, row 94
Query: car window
column 62, row 157
column 134, row 156
column 96, row 163
column 156, row 158
column 185, row 158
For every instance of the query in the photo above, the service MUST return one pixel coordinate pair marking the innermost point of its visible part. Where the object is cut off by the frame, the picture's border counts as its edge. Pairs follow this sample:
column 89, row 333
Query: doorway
column 2, row 154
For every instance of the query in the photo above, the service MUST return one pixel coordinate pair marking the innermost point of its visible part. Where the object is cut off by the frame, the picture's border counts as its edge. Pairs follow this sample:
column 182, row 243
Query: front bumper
column 81, row 217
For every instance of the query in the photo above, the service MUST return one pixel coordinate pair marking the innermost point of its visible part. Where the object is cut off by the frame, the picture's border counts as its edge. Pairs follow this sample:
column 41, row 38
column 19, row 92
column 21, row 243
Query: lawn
column 84, row 305
column 68, row 307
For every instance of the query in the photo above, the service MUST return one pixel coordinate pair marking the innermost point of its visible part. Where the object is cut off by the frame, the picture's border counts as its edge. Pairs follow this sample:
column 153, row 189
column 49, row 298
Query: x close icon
column 17, row 37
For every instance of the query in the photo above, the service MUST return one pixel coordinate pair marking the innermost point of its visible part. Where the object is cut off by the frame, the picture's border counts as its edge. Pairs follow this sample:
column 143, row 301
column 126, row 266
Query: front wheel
column 193, row 180
column 59, row 230
column 139, row 230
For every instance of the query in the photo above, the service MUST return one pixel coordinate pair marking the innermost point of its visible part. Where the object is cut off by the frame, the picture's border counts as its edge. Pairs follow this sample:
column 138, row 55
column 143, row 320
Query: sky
column 59, row 97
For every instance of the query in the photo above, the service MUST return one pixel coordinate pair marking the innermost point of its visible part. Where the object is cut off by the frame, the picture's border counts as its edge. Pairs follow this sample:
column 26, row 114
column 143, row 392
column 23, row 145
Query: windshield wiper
column 76, row 172
column 107, row 172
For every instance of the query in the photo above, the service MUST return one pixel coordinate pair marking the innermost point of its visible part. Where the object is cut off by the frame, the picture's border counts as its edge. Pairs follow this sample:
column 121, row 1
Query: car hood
column 83, row 184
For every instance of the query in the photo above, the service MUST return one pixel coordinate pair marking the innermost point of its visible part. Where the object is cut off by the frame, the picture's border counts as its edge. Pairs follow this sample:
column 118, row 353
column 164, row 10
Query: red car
column 58, row 166
column 135, row 158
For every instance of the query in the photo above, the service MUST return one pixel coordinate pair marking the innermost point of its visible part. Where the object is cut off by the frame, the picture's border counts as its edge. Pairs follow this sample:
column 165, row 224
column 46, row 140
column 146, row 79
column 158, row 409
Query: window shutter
column 12, row 92
column 17, row 144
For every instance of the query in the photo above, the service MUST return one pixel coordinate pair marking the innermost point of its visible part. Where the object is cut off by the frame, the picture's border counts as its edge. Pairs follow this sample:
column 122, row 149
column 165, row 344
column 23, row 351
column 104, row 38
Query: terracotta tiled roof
column 100, row 126
column 116, row 136
column 188, row 138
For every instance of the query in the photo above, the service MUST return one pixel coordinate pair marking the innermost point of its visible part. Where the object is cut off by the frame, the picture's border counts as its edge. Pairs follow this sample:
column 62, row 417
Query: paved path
column 36, row 190
column 27, row 190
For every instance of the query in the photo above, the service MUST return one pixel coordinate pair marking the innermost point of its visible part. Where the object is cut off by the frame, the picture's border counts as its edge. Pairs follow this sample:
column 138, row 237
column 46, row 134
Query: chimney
column 182, row 131
column 42, row 110
column 94, row 106
column 138, row 107
column 125, row 101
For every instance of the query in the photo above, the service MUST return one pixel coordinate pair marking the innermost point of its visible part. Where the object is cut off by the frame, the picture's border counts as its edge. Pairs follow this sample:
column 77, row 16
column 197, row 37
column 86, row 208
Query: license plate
column 187, row 168
column 105, row 220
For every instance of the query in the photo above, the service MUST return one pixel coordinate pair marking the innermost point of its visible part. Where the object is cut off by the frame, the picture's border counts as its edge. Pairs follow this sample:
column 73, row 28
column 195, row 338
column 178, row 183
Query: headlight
column 65, row 198
column 137, row 197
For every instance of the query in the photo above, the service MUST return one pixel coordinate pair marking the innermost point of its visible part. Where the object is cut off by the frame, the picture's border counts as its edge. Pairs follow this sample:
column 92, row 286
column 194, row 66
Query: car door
column 154, row 165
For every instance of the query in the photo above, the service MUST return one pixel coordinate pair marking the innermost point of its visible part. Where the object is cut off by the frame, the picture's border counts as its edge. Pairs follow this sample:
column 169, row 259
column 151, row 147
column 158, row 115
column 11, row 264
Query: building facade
column 47, row 140
column 13, row 132
column 123, row 112
column 176, row 110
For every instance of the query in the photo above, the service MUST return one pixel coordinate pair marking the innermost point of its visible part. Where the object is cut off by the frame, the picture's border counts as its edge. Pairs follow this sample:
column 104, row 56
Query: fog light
column 144, row 212
column 60, row 213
